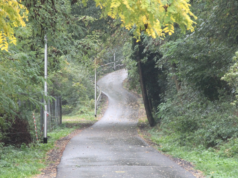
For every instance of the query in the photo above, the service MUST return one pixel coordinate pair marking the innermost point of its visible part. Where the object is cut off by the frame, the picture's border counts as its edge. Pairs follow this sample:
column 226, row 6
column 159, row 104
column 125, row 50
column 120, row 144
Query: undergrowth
column 219, row 162
column 86, row 114
column 82, row 117
column 27, row 160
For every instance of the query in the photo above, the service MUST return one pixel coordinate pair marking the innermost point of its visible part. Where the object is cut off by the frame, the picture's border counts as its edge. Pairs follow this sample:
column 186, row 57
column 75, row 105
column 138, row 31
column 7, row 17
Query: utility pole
column 45, row 92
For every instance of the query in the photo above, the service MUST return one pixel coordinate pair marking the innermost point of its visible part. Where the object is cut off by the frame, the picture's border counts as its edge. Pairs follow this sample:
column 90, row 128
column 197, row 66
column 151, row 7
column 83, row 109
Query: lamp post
column 45, row 92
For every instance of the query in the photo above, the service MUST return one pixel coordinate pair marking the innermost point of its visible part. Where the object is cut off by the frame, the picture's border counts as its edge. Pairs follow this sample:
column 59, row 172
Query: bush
column 199, row 121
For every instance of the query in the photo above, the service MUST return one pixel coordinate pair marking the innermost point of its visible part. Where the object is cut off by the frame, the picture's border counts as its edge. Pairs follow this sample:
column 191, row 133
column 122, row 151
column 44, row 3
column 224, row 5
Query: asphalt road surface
column 111, row 148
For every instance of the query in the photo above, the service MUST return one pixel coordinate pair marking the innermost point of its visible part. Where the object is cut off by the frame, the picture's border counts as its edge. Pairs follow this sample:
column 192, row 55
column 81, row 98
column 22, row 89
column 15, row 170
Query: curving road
column 111, row 148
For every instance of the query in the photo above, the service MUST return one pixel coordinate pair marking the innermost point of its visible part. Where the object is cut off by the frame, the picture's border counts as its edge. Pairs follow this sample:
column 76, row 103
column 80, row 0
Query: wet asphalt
column 111, row 148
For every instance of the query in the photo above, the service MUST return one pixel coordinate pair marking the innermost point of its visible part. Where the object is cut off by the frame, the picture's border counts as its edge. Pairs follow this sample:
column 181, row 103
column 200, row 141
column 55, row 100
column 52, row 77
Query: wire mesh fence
column 35, row 116
column 54, row 114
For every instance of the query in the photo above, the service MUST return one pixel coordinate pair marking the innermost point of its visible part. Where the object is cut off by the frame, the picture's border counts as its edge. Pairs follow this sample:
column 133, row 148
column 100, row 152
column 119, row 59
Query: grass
column 221, row 162
column 77, row 118
column 27, row 161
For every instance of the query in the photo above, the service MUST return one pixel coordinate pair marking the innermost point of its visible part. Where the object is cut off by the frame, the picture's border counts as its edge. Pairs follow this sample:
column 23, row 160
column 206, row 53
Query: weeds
column 27, row 160
column 219, row 162
column 82, row 117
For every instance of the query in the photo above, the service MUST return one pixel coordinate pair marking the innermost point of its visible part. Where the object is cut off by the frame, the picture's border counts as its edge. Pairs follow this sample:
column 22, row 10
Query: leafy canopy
column 11, row 15
column 155, row 17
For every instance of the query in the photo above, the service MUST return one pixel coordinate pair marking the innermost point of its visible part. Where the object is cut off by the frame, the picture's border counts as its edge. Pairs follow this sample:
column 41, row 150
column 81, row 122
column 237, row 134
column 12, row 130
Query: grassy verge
column 28, row 160
column 217, row 163
column 79, row 118
column 89, row 115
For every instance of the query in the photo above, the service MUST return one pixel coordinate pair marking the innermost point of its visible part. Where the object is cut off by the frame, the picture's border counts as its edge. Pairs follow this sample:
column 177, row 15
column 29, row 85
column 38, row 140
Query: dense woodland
column 193, row 88
column 185, row 68
column 75, row 37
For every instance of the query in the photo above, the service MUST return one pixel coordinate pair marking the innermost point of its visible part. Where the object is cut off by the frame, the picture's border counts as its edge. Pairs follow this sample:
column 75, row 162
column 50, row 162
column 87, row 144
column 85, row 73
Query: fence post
column 60, row 103
column 49, row 116
column 56, row 115
column 42, row 117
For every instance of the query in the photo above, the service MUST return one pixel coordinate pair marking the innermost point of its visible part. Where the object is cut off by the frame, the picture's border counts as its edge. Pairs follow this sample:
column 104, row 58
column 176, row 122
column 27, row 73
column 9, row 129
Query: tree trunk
column 144, row 95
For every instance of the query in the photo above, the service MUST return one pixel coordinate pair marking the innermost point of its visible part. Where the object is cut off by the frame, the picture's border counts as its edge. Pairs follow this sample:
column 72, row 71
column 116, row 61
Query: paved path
column 111, row 148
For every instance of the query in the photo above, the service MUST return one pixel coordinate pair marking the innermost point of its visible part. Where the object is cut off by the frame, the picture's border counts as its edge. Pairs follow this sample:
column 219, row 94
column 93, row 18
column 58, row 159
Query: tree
column 21, row 67
column 12, row 14
column 155, row 17
column 199, row 110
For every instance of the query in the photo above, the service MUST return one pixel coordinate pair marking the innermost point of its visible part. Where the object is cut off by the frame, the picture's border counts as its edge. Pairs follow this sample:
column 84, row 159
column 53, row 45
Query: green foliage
column 19, row 81
column 74, row 83
column 154, row 78
column 70, row 48
column 131, row 66
column 12, row 15
column 198, row 120
column 199, row 109
column 200, row 81
column 27, row 160
column 231, row 76
column 221, row 162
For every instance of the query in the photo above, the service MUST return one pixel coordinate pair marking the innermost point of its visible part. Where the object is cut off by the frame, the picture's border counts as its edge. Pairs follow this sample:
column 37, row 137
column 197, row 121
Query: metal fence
column 54, row 113
column 110, row 67
column 35, row 116
column 102, row 70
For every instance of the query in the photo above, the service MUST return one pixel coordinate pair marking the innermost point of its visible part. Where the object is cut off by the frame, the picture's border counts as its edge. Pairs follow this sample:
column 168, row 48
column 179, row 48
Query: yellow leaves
column 161, row 9
column 144, row 19
column 12, row 14
column 115, row 4
column 127, row 5
column 169, row 29
column 154, row 17
column 3, row 42
column 158, row 29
